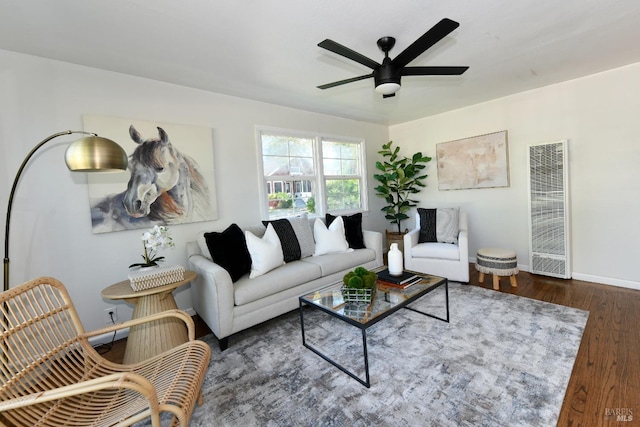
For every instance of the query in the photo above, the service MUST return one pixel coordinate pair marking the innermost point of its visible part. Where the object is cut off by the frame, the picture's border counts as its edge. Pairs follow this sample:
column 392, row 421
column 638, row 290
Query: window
column 341, row 165
column 310, row 173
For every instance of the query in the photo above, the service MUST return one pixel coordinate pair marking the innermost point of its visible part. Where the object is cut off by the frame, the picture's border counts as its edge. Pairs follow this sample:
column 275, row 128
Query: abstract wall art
column 476, row 162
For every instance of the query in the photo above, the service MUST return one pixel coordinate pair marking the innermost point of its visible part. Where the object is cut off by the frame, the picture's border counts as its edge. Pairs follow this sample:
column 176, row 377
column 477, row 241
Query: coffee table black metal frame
column 364, row 325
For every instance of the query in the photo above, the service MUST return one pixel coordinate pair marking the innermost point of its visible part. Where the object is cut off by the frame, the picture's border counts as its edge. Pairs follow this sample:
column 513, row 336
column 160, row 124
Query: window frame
column 319, row 179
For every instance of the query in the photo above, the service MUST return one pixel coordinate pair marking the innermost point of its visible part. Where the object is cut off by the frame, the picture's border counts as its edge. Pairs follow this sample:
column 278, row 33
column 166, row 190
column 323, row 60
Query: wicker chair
column 51, row 375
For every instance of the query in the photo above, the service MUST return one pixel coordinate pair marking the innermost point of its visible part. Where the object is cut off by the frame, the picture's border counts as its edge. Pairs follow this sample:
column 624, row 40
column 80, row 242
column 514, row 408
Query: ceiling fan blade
column 428, row 39
column 433, row 71
column 348, row 53
column 341, row 82
column 389, row 96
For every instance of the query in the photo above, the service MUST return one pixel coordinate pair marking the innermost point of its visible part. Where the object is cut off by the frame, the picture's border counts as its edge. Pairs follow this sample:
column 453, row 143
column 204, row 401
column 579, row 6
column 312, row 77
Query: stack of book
column 403, row 281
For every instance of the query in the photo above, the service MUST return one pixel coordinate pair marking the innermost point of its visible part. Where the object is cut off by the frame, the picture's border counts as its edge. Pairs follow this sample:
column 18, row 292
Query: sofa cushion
column 295, row 236
column 439, row 225
column 352, row 229
column 331, row 239
column 266, row 253
column 229, row 250
column 332, row 263
column 436, row 250
column 282, row 278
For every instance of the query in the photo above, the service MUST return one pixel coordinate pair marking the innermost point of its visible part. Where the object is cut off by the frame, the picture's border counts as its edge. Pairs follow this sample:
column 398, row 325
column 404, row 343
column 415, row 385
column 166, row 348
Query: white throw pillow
column 266, row 253
column 330, row 240
column 447, row 222
column 202, row 244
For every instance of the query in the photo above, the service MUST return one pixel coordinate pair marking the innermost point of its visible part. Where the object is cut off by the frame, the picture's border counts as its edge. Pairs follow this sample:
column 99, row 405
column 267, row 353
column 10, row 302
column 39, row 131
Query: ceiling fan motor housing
column 387, row 77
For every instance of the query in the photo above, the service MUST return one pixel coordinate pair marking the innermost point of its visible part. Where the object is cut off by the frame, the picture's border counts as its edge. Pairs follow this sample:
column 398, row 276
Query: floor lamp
column 88, row 154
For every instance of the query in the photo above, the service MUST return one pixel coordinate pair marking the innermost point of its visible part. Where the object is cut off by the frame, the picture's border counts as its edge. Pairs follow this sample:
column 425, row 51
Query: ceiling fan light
column 387, row 88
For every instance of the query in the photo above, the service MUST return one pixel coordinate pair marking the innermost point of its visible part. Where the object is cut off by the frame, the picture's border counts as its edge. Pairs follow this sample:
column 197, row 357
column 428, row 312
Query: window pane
column 301, row 166
column 343, row 194
column 299, row 147
column 340, row 167
column 331, row 166
column 273, row 145
column 275, row 166
column 349, row 167
column 349, row 151
column 340, row 158
column 330, row 150
column 287, row 155
column 291, row 198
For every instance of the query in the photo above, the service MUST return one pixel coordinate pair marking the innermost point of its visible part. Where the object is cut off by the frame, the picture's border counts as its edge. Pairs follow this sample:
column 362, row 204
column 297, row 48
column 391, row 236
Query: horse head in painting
column 165, row 185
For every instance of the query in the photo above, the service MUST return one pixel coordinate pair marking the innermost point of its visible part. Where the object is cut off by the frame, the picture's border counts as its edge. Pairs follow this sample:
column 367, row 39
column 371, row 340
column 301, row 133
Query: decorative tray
column 155, row 277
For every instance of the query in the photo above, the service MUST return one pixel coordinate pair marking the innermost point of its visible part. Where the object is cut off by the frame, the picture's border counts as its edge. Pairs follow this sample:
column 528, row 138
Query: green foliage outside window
column 311, row 205
column 280, row 200
column 343, row 194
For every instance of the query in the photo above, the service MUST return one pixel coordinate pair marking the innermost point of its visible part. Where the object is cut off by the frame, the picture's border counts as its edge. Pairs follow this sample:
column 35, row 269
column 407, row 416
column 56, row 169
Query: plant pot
column 395, row 237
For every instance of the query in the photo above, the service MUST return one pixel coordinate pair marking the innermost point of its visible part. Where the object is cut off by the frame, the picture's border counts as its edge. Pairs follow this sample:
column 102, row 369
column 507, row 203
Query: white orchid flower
column 153, row 239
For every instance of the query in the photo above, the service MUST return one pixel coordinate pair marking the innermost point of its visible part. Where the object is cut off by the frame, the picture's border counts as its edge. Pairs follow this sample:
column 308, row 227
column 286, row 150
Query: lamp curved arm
column 12, row 193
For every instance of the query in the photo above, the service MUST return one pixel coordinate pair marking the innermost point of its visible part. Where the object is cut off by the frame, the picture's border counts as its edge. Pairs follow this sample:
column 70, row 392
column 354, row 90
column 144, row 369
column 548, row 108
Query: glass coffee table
column 384, row 302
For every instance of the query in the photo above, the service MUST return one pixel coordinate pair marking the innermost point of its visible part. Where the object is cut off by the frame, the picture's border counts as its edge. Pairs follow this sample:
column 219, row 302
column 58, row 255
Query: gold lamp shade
column 94, row 153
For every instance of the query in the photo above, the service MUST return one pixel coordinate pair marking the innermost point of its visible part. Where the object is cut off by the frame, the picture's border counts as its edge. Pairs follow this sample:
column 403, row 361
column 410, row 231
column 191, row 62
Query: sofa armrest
column 410, row 240
column 212, row 295
column 463, row 244
column 373, row 240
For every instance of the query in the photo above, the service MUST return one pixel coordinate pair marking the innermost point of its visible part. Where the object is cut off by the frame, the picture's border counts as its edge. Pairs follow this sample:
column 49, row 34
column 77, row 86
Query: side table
column 152, row 338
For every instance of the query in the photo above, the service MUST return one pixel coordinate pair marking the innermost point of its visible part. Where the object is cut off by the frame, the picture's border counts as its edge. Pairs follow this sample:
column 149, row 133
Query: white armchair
column 440, row 259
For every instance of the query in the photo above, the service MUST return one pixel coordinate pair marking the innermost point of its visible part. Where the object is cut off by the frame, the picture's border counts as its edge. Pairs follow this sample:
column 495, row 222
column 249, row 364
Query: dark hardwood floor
column 605, row 382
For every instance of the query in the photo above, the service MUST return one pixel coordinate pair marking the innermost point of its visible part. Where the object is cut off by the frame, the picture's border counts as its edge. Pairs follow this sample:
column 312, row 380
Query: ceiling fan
column 387, row 75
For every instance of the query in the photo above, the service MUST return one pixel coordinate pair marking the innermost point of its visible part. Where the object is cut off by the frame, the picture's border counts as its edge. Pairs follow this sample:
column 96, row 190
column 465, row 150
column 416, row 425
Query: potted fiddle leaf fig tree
column 399, row 179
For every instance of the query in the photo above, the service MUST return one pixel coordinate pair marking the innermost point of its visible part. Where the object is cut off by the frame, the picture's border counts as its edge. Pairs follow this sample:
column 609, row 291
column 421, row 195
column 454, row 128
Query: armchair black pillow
column 439, row 225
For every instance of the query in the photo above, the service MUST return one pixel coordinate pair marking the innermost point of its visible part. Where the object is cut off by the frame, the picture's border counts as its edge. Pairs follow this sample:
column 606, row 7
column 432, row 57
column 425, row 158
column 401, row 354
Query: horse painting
column 165, row 187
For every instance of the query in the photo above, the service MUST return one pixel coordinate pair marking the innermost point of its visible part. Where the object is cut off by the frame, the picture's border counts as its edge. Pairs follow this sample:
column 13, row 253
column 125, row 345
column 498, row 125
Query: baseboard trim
column 106, row 338
column 124, row 333
column 630, row 284
column 622, row 283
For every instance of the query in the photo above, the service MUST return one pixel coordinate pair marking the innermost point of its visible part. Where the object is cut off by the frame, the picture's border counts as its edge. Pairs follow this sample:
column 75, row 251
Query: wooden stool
column 499, row 262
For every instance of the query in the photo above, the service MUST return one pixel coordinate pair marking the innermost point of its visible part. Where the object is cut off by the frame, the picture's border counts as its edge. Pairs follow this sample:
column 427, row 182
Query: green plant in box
column 360, row 278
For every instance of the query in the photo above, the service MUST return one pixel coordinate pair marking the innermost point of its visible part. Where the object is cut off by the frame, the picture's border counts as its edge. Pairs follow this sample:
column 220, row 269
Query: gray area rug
column 502, row 360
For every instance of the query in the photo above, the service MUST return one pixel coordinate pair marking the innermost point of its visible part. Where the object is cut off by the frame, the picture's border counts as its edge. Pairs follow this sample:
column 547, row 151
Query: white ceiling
column 267, row 49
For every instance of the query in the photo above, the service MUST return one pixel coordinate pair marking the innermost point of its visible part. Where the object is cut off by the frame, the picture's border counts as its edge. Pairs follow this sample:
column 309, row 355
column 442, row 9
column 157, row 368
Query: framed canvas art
column 170, row 179
column 477, row 162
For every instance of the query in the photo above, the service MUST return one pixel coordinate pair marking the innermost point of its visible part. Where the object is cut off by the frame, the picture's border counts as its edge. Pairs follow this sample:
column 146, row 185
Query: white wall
column 51, row 232
column 51, row 228
column 599, row 115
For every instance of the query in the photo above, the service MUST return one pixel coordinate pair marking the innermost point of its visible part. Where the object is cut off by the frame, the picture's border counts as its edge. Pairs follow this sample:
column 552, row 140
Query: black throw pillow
column 352, row 229
column 288, row 240
column 427, row 226
column 229, row 250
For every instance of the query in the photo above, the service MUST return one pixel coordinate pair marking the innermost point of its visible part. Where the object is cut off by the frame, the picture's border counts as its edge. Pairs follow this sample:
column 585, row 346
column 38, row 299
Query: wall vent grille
column 549, row 252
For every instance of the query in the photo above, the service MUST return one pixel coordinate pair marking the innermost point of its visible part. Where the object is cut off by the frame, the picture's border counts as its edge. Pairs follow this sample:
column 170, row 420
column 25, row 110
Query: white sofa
column 440, row 259
column 228, row 307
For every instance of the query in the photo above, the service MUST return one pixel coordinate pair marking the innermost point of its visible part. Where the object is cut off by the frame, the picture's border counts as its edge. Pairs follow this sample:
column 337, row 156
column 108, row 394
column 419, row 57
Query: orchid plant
column 152, row 240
